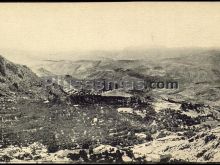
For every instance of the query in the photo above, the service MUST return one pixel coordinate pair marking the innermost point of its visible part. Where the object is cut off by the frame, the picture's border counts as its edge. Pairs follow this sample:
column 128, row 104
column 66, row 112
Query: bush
column 189, row 133
column 86, row 144
column 148, row 137
column 118, row 156
column 129, row 153
column 73, row 157
column 209, row 138
column 5, row 158
column 83, row 155
column 52, row 148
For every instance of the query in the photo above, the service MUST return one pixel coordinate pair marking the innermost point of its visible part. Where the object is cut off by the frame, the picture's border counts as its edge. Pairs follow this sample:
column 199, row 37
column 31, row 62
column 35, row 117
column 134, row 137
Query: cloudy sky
column 108, row 26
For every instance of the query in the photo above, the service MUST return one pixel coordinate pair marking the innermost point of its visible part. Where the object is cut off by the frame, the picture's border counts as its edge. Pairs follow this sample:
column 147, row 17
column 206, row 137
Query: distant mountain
column 43, row 72
column 197, row 70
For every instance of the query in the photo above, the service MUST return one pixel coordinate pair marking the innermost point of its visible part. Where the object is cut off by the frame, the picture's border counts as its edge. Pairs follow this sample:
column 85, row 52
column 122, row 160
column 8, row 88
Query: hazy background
column 72, row 30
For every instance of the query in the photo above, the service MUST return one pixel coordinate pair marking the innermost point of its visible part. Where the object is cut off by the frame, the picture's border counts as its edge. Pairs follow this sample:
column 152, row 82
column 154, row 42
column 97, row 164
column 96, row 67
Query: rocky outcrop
column 2, row 66
column 19, row 80
column 16, row 78
column 203, row 147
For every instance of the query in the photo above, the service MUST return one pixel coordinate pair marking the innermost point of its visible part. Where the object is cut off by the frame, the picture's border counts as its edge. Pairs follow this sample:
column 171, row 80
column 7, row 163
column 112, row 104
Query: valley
column 54, row 124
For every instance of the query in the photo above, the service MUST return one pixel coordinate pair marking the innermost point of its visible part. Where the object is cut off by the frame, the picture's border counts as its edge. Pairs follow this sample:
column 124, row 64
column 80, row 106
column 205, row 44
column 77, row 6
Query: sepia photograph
column 110, row 82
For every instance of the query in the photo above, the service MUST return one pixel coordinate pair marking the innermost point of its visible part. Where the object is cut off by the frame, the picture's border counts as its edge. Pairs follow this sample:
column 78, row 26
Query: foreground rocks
column 203, row 147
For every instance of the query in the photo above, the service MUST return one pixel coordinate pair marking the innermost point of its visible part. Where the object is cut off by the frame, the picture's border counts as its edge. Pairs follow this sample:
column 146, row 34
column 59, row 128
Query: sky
column 108, row 26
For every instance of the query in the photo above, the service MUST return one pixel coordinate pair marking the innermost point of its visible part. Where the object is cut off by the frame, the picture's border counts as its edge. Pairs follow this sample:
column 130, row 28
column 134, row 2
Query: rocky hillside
column 16, row 78
column 19, row 81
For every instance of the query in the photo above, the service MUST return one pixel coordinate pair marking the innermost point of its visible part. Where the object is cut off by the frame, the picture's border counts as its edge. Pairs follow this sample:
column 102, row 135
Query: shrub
column 148, row 137
column 189, row 133
column 73, row 157
column 83, row 155
column 52, row 148
column 209, row 138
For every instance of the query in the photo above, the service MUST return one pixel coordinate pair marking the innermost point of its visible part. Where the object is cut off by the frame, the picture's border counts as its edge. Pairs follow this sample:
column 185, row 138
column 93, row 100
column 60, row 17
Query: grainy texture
column 110, row 83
